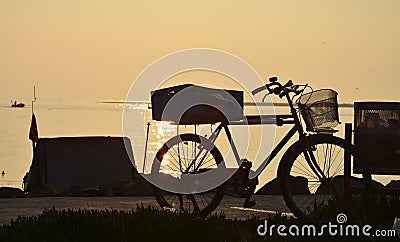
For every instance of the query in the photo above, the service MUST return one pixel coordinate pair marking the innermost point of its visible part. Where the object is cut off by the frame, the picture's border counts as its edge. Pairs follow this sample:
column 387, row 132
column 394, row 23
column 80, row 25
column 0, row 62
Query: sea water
column 60, row 118
column 55, row 118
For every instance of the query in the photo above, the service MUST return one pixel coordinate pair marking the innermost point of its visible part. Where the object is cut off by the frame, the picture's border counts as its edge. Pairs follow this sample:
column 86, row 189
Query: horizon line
column 281, row 104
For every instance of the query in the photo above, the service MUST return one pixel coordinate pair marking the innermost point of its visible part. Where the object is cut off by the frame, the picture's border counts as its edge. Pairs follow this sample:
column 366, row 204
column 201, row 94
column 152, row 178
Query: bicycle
column 317, row 155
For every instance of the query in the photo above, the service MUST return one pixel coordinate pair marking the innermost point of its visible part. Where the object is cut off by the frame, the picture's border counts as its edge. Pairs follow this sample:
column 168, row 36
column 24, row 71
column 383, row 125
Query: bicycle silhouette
column 316, row 155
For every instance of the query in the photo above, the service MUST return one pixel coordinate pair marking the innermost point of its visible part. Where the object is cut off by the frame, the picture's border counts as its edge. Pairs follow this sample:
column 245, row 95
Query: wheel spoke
column 195, row 205
column 329, row 154
column 186, row 154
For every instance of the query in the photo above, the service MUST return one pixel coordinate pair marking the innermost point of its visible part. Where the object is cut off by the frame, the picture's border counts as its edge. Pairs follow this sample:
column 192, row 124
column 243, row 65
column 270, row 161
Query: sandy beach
column 11, row 208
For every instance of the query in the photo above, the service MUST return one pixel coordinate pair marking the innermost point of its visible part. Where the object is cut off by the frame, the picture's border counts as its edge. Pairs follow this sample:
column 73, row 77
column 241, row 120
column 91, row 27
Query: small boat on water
column 17, row 105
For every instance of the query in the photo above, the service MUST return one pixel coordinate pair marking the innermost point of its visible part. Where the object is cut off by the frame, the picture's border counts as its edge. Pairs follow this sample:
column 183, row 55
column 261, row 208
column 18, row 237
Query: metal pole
column 34, row 100
column 34, row 97
column 347, row 163
column 145, row 147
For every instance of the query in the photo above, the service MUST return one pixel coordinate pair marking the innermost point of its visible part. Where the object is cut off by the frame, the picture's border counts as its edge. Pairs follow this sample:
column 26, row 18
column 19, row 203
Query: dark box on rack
column 191, row 104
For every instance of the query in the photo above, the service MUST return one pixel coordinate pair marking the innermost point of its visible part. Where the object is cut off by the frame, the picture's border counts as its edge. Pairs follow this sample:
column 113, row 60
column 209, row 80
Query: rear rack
column 278, row 120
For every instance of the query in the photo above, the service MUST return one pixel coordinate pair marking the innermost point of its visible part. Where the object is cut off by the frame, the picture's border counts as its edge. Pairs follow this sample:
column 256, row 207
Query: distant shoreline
column 342, row 105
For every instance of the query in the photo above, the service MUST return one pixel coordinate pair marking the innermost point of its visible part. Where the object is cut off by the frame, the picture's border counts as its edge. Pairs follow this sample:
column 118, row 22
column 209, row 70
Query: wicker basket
column 319, row 110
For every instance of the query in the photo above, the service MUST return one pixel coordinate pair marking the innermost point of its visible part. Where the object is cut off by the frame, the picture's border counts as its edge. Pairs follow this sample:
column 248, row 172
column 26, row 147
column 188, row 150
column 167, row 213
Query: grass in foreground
column 144, row 224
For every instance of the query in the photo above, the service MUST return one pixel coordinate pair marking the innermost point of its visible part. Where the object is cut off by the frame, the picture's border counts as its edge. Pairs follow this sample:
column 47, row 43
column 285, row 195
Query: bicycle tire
column 321, row 190
column 206, row 202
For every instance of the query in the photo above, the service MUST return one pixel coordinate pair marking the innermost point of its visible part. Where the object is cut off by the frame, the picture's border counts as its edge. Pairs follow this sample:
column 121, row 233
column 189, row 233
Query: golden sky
column 94, row 49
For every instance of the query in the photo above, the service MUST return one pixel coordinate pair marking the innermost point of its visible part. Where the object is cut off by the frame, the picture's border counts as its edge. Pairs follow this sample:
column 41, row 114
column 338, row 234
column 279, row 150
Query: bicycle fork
column 312, row 162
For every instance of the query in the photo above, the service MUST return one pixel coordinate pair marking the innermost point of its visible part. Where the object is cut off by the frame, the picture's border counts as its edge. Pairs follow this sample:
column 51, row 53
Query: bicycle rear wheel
column 322, row 197
column 178, row 156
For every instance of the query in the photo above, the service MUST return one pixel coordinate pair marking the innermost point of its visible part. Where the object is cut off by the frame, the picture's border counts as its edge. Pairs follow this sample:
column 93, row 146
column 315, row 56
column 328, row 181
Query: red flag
column 33, row 132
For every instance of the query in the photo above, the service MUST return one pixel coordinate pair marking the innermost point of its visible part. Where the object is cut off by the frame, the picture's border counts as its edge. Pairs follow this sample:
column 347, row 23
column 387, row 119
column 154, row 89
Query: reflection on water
column 186, row 156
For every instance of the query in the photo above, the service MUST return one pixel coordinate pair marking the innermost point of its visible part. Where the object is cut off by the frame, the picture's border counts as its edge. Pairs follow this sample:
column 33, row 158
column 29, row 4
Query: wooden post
column 145, row 147
column 347, row 163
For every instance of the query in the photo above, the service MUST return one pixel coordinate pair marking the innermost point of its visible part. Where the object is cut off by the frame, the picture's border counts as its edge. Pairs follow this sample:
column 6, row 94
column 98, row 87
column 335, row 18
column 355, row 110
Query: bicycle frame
column 279, row 120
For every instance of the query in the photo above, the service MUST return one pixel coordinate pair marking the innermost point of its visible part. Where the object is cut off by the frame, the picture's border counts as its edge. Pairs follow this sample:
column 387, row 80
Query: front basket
column 319, row 110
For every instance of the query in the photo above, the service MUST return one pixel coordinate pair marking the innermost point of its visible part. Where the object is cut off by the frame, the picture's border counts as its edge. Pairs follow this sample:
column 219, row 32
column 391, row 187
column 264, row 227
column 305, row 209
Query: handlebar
column 275, row 87
column 258, row 89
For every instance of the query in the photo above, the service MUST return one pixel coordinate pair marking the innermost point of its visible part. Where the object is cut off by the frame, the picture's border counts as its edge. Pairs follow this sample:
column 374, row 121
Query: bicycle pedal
column 246, row 163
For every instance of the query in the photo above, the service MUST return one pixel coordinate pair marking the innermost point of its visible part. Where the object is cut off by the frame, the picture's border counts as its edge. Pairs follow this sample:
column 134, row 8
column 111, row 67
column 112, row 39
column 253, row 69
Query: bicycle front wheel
column 188, row 154
column 311, row 175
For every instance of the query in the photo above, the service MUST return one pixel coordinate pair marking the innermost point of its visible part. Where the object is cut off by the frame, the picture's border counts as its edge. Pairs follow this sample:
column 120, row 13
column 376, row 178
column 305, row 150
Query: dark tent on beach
column 83, row 162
